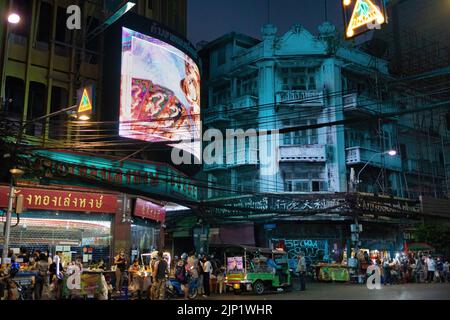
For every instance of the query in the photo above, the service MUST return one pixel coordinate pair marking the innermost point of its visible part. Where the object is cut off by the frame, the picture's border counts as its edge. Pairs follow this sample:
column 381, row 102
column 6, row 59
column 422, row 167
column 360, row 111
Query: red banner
column 44, row 199
column 149, row 210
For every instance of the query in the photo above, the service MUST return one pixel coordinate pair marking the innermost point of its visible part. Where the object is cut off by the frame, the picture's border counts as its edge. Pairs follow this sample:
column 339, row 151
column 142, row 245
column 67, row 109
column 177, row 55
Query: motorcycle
column 15, row 290
column 174, row 289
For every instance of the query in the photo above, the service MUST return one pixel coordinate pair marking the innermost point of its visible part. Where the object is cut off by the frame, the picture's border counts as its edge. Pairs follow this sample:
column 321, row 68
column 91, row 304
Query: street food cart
column 331, row 272
column 92, row 285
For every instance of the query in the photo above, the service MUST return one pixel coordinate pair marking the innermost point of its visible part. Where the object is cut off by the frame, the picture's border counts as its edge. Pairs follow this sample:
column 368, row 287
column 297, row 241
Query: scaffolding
column 422, row 64
column 420, row 57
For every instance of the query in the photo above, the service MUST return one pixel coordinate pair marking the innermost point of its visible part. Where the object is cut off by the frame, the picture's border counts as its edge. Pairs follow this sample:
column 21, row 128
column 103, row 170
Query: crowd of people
column 48, row 273
column 203, row 272
column 407, row 268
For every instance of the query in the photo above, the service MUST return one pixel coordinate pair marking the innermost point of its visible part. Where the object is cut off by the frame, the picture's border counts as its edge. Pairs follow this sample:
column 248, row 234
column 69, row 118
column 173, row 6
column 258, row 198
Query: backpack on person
column 181, row 274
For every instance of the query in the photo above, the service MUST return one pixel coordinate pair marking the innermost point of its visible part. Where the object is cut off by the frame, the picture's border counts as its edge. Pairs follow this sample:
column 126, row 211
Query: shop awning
column 419, row 246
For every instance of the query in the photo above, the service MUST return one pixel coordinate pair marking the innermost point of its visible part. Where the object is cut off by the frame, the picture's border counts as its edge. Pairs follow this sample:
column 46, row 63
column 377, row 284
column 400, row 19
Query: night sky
column 210, row 19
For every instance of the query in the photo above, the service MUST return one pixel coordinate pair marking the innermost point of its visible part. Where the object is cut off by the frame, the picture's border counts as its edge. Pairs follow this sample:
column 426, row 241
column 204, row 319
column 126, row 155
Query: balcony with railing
column 243, row 156
column 216, row 113
column 363, row 103
column 247, row 156
column 301, row 97
column 244, row 102
column 302, row 153
column 361, row 155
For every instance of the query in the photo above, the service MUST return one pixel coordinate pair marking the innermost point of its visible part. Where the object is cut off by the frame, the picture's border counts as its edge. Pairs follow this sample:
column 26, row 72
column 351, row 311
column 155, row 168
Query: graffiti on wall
column 313, row 250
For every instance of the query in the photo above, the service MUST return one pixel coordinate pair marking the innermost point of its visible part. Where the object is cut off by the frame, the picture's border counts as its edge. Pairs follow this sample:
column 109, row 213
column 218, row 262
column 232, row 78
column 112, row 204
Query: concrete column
column 30, row 42
column 267, row 117
column 121, row 230
column 50, row 70
column 336, row 167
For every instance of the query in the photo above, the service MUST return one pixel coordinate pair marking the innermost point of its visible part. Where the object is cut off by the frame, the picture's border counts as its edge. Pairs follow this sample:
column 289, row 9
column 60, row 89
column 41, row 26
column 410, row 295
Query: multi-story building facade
column 44, row 64
column 329, row 101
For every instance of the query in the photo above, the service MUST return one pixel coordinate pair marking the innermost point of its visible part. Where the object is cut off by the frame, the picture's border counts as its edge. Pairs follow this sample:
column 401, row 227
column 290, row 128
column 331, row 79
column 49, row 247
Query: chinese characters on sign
column 275, row 204
column 149, row 210
column 43, row 199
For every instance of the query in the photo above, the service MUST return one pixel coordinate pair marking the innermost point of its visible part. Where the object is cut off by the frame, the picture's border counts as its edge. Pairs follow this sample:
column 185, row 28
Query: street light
column 391, row 153
column 15, row 174
column 14, row 18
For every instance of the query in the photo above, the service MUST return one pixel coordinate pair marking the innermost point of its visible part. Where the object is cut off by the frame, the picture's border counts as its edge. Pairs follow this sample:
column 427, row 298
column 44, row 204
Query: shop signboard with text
column 151, row 177
column 63, row 200
column 149, row 210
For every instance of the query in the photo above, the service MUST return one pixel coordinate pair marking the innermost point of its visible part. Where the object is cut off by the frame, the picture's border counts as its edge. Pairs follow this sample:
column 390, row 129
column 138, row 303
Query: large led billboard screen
column 160, row 93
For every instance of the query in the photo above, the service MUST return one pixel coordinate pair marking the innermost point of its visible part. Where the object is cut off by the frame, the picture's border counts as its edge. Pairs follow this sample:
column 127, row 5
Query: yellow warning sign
column 85, row 102
column 365, row 13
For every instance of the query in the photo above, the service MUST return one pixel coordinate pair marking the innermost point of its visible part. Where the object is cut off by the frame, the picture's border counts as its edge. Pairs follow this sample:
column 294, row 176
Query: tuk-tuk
column 256, row 269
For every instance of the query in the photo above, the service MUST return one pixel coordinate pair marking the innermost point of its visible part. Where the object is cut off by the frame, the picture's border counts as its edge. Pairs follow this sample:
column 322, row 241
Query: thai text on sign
column 61, row 200
column 149, row 210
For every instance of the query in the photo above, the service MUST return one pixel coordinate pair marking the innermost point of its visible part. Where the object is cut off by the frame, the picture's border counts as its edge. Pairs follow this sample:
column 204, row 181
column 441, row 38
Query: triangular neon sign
column 85, row 103
column 364, row 12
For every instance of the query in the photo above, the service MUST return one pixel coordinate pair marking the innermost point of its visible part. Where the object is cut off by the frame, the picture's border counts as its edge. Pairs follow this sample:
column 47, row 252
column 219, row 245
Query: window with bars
column 303, row 137
column 307, row 181
column 298, row 78
column 247, row 182
column 247, row 85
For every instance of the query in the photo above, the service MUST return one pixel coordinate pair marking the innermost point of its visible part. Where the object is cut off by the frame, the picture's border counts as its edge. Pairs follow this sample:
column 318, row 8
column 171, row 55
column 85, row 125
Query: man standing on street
column 301, row 269
column 431, row 264
column 159, row 275
column 207, row 270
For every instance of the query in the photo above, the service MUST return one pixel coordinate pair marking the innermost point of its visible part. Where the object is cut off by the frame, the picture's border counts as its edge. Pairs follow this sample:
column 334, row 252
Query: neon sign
column 363, row 15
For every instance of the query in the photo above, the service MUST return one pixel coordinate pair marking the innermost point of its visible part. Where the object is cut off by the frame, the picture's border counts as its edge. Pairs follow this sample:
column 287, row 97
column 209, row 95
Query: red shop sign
column 45, row 199
column 149, row 210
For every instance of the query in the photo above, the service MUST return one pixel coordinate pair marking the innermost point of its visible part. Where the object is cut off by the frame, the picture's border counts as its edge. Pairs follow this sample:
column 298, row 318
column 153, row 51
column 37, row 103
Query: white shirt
column 431, row 265
column 207, row 267
column 301, row 265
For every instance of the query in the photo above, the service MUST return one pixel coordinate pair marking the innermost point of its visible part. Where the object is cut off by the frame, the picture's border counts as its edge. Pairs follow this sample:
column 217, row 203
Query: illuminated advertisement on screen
column 160, row 93
column 235, row 264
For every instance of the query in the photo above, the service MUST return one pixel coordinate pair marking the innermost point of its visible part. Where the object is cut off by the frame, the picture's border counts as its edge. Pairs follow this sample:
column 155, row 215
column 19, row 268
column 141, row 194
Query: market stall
column 331, row 272
column 91, row 285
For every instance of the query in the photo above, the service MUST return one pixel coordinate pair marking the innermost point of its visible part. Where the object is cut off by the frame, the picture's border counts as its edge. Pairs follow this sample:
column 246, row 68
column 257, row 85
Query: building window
column 59, row 100
column 14, row 96
column 307, row 181
column 247, row 85
column 221, row 95
column 44, row 27
column 150, row 4
column 303, row 137
column 246, row 182
column 298, row 78
column 221, row 57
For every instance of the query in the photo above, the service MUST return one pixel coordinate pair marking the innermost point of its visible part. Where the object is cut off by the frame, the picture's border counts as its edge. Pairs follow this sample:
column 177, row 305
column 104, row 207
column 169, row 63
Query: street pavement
column 346, row 291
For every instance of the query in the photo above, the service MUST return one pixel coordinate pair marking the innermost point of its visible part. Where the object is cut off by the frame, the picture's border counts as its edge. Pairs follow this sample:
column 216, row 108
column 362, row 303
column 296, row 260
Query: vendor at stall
column 120, row 263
